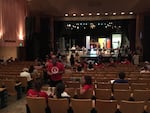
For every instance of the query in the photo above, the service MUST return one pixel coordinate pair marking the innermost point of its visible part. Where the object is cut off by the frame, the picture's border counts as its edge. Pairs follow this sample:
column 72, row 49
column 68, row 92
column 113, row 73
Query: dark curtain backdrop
column 146, row 39
column 37, row 41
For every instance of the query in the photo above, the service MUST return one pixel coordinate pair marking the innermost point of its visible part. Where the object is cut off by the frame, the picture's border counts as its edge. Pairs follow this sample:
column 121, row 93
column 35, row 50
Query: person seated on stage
column 86, row 84
column 36, row 91
column 60, row 91
column 121, row 79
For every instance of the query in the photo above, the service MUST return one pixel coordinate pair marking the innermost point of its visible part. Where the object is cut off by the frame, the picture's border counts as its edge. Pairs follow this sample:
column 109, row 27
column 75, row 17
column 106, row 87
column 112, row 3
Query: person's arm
column 82, row 90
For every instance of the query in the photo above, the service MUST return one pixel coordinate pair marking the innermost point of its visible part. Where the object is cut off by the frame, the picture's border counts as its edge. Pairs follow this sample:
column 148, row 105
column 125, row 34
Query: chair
column 58, row 105
column 104, row 85
column 106, row 106
column 143, row 95
column 87, row 95
column 132, row 106
column 71, row 91
column 81, row 105
column 36, row 104
column 103, row 94
column 121, row 86
column 140, row 86
column 10, row 86
column 121, row 94
column 148, row 107
column 73, row 84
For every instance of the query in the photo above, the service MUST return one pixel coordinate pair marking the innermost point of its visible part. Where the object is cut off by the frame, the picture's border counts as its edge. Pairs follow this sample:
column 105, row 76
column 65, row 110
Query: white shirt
column 26, row 74
column 64, row 94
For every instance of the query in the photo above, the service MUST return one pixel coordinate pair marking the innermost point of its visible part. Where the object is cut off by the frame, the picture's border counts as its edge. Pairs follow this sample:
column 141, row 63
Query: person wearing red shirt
column 55, row 70
column 36, row 91
column 86, row 84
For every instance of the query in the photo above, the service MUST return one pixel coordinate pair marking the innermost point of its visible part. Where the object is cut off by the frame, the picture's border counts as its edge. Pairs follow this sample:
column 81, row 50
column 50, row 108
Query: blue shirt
column 121, row 81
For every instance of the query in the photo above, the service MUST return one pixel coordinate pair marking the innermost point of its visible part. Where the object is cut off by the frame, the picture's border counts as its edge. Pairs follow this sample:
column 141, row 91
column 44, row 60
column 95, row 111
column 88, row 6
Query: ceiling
column 60, row 7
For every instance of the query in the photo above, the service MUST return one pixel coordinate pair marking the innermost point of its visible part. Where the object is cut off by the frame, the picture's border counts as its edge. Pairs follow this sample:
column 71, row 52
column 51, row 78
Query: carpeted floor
column 14, row 105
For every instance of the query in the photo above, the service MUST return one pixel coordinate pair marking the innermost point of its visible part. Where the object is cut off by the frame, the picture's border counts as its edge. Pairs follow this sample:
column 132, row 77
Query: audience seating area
column 134, row 95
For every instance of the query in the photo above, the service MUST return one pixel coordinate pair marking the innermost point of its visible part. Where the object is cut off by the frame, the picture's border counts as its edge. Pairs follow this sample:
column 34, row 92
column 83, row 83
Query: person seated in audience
column 121, row 79
column 60, row 91
column 125, row 61
column 78, row 66
column 26, row 74
column 90, row 66
column 34, row 72
column 145, row 70
column 36, row 91
column 86, row 84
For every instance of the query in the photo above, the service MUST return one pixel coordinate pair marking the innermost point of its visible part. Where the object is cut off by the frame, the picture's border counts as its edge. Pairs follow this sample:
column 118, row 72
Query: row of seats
column 38, row 105
column 118, row 94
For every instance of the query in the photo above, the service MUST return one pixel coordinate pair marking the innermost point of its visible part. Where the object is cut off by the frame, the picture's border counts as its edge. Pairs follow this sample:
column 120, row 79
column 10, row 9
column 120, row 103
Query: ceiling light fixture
column 106, row 14
column 131, row 13
column 97, row 14
column 114, row 13
column 122, row 13
column 90, row 14
column 74, row 14
column 82, row 14
column 66, row 14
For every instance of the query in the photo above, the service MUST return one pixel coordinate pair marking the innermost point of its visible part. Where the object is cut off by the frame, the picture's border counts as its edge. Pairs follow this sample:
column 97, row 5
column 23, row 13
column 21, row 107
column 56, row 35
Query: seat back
column 58, row 105
column 103, row 94
column 106, row 106
column 36, row 104
column 120, row 94
column 81, row 105
column 143, row 95
column 132, row 106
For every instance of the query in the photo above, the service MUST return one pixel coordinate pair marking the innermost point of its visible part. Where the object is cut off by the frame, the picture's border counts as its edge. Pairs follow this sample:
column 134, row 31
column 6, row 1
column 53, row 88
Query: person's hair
column 122, row 75
column 88, row 79
column 60, row 87
column 31, row 69
column 37, row 85
column 54, row 59
column 145, row 68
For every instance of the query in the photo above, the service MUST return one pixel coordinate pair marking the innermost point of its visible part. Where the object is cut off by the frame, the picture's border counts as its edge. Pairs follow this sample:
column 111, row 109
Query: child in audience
column 36, row 91
column 86, row 84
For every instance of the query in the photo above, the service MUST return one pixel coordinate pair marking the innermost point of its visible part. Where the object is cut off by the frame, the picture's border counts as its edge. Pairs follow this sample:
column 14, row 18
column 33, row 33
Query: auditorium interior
column 90, row 29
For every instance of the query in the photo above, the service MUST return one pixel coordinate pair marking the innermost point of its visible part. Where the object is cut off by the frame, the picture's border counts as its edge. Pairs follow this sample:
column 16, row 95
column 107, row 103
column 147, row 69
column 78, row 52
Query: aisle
column 14, row 106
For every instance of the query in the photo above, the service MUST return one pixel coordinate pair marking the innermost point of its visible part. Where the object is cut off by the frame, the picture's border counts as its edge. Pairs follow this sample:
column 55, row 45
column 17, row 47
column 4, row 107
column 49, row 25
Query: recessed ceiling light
column 131, row 13
column 82, row 14
column 90, row 14
column 74, row 14
column 97, row 14
column 66, row 14
column 122, row 13
column 106, row 13
column 114, row 13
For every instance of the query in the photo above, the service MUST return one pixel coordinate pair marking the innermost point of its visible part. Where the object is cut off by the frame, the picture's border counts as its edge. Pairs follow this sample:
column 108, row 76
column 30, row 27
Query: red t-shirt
column 87, row 87
column 55, row 69
column 34, row 93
